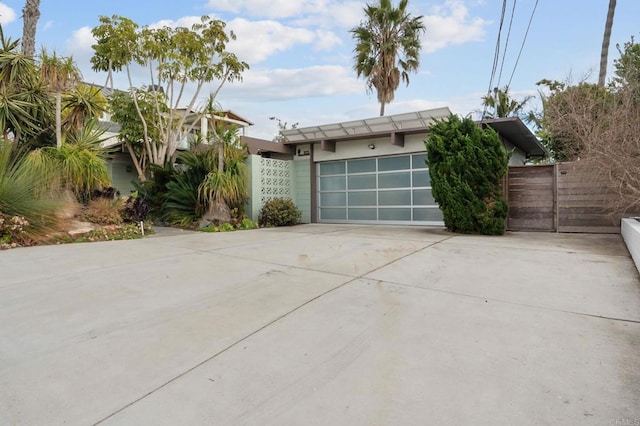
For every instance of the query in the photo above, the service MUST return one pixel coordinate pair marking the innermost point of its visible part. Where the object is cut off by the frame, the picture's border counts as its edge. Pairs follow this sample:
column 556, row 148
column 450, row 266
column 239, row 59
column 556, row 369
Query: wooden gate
column 531, row 197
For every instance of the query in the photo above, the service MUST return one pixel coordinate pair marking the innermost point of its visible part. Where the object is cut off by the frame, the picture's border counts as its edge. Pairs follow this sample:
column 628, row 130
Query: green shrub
column 467, row 165
column 279, row 212
column 247, row 223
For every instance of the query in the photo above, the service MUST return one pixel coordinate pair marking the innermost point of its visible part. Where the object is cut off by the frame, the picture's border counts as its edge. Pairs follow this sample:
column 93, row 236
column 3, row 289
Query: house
column 374, row 170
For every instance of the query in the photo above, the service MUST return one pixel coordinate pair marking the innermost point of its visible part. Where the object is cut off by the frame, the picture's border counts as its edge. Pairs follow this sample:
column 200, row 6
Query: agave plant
column 24, row 191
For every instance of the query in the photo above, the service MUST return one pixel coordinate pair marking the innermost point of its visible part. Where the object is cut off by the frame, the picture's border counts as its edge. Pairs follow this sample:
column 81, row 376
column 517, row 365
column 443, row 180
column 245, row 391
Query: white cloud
column 326, row 40
column 257, row 40
column 450, row 24
column 81, row 41
column 282, row 84
column 7, row 14
column 271, row 9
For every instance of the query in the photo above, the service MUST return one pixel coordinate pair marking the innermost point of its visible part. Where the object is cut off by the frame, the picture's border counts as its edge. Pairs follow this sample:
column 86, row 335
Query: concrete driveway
column 322, row 325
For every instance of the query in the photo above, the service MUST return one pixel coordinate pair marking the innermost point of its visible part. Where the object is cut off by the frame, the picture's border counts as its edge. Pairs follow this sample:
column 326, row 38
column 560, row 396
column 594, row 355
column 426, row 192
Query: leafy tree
column 501, row 104
column 627, row 66
column 30, row 16
column 387, row 47
column 467, row 165
column 132, row 132
column 174, row 57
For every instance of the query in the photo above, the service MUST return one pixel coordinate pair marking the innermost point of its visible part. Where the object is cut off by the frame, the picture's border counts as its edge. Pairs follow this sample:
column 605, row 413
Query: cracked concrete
column 321, row 324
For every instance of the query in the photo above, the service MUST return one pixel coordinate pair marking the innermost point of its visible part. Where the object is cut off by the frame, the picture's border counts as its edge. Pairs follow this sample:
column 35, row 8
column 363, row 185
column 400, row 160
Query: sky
column 300, row 52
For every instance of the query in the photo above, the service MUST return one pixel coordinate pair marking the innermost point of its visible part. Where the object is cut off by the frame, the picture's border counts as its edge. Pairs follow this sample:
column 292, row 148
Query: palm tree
column 387, row 48
column 605, row 43
column 30, row 16
column 501, row 104
column 61, row 74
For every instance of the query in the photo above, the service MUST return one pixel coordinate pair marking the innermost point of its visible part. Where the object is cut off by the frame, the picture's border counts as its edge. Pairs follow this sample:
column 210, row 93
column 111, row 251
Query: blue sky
column 300, row 52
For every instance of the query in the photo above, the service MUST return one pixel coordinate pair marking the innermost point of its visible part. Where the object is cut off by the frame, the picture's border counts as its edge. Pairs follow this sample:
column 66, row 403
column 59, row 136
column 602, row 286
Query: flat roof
column 411, row 122
column 516, row 132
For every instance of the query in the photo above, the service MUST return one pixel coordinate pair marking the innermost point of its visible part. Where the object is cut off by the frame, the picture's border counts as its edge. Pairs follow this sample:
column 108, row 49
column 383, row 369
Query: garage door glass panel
column 333, row 199
column 361, row 166
column 394, row 163
column 363, row 214
column 394, row 198
column 419, row 161
column 394, row 180
column 333, row 214
column 427, row 215
column 421, row 178
column 403, row 215
column 336, row 168
column 423, row 197
column 364, row 198
column 362, row 182
column 332, row 183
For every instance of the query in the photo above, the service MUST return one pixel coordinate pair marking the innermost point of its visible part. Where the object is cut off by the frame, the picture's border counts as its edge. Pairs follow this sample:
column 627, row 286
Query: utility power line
column 524, row 40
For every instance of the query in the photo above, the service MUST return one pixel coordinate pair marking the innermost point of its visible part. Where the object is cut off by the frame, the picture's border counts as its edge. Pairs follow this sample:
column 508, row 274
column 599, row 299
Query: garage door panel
column 361, row 166
column 333, row 183
column 363, row 214
column 333, row 214
column 394, row 189
column 423, row 197
column 427, row 215
column 396, row 215
column 364, row 198
column 362, row 182
column 333, row 199
column 394, row 163
column 419, row 161
column 394, row 180
column 421, row 178
column 394, row 198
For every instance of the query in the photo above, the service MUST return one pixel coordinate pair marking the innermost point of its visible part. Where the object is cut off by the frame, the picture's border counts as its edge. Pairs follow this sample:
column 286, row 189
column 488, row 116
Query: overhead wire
column 496, row 55
column 506, row 43
column 524, row 40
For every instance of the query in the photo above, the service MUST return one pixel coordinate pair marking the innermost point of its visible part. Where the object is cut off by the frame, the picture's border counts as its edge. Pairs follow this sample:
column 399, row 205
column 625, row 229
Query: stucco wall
column 360, row 149
column 122, row 173
column 518, row 157
column 302, row 187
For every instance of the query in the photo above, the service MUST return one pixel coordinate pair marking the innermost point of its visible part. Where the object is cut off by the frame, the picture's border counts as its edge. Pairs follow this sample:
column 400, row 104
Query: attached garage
column 374, row 171
column 389, row 189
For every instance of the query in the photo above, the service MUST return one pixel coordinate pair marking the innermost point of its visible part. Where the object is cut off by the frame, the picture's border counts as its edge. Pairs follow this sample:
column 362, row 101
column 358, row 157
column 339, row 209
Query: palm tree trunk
column 605, row 43
column 381, row 109
column 58, row 119
column 30, row 16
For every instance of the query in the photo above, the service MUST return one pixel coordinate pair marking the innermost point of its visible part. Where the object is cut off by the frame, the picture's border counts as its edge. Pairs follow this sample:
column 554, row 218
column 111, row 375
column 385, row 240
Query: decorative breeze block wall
column 275, row 179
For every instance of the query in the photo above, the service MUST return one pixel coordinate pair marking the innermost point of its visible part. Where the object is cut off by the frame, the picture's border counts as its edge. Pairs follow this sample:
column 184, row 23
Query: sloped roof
column 516, row 132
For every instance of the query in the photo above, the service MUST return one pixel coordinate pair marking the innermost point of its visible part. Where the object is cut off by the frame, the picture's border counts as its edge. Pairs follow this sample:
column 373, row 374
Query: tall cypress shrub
column 467, row 165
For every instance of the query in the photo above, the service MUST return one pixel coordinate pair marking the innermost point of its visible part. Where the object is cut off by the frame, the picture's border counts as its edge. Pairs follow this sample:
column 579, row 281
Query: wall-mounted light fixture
column 371, row 146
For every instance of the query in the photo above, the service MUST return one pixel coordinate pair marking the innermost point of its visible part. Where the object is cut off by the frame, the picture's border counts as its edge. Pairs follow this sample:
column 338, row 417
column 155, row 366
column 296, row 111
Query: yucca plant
column 79, row 165
column 24, row 192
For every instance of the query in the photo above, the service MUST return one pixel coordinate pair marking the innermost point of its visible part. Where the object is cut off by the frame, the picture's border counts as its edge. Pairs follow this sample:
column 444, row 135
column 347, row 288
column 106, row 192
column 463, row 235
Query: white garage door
column 394, row 190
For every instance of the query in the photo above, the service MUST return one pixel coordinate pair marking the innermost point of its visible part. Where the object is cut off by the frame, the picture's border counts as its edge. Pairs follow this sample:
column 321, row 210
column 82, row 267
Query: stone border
column 631, row 235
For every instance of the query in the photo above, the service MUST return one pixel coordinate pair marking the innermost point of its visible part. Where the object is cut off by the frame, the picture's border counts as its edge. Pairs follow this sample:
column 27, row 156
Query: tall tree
column 30, row 16
column 175, row 58
column 61, row 74
column 604, row 54
column 387, row 47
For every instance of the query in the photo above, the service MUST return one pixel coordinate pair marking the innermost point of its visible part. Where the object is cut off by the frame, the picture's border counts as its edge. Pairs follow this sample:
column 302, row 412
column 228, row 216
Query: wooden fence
column 561, row 197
